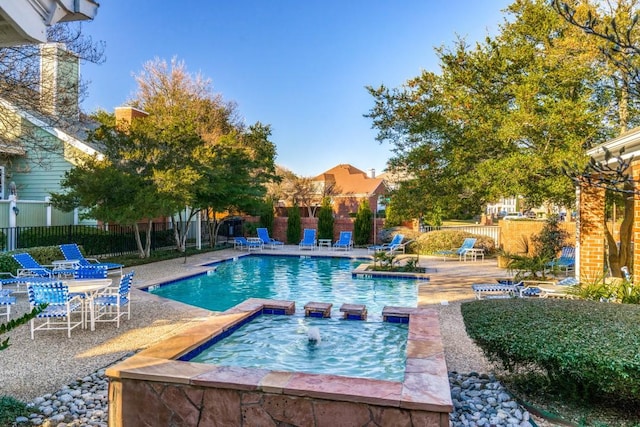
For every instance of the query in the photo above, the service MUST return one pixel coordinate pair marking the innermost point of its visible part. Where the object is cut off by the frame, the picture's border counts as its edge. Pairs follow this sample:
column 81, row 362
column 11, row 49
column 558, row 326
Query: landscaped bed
column 570, row 356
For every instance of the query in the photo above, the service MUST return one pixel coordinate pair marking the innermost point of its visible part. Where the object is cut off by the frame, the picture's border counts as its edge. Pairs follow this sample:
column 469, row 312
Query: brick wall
column 339, row 224
column 514, row 234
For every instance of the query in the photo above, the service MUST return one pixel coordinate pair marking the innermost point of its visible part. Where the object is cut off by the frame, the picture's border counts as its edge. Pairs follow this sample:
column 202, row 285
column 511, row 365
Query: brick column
column 591, row 238
column 635, row 268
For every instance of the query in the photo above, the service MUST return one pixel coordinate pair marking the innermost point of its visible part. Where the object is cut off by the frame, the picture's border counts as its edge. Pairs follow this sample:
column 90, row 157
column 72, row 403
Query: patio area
column 32, row 368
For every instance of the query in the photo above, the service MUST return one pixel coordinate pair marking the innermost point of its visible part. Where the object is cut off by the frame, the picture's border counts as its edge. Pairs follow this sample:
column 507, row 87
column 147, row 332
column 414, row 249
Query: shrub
column 325, row 220
column 293, row 225
column 11, row 408
column 434, row 241
column 587, row 348
column 363, row 224
column 267, row 216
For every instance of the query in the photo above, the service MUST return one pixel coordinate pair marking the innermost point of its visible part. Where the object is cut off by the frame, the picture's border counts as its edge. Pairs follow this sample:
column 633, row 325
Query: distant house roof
column 350, row 181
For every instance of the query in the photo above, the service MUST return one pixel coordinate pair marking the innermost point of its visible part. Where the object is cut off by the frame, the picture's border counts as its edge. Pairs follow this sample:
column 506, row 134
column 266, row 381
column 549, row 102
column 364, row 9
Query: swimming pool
column 299, row 279
column 282, row 343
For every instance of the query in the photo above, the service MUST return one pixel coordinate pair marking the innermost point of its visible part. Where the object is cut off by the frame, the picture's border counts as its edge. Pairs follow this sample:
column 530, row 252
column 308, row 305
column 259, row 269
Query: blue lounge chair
column 248, row 244
column 467, row 246
column 71, row 252
column 263, row 234
column 386, row 247
column 29, row 267
column 344, row 241
column 566, row 261
column 308, row 239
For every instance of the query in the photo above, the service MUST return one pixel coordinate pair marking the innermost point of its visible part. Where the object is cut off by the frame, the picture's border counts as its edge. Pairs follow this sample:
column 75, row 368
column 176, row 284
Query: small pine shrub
column 325, row 220
column 267, row 216
column 294, row 225
column 363, row 224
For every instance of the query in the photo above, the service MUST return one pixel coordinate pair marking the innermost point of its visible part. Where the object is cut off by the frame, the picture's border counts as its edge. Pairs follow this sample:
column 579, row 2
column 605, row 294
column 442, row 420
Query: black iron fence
column 111, row 240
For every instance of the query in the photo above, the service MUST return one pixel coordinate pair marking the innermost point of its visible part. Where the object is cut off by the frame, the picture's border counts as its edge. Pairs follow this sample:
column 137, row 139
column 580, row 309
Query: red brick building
column 347, row 187
column 590, row 238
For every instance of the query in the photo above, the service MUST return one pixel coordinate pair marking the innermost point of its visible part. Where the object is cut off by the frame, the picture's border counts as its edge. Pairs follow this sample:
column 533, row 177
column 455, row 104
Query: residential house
column 348, row 186
column 23, row 22
column 38, row 146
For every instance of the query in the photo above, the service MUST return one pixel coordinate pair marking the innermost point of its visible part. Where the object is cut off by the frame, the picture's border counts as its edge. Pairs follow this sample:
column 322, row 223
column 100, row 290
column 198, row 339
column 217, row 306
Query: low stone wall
column 154, row 388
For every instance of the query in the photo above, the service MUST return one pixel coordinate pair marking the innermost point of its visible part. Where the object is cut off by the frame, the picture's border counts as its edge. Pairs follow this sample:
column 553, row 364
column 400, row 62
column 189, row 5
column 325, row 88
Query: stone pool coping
column 363, row 270
column 425, row 386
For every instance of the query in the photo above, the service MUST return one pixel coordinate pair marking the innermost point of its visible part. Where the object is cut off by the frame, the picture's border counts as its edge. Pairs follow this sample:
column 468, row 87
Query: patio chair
column 566, row 261
column 263, row 234
column 32, row 268
column 308, row 239
column 6, row 301
column 90, row 272
column 108, row 305
column 71, row 251
column 467, row 246
column 344, row 241
column 61, row 306
column 252, row 243
column 392, row 245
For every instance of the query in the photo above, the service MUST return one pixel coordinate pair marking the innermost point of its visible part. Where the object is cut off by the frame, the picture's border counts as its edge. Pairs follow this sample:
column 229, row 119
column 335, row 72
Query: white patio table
column 88, row 287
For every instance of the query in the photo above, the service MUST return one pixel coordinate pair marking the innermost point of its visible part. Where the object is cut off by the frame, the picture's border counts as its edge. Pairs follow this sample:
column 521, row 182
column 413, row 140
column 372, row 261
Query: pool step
column 354, row 311
column 396, row 314
column 317, row 309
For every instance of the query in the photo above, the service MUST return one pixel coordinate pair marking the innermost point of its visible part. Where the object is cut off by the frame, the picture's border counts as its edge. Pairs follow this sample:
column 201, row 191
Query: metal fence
column 492, row 231
column 110, row 240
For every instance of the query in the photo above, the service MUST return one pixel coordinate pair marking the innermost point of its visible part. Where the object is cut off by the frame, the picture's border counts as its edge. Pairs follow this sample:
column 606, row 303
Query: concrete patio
column 34, row 367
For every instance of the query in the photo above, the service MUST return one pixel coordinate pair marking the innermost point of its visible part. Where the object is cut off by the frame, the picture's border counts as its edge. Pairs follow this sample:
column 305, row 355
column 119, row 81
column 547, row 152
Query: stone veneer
column 153, row 388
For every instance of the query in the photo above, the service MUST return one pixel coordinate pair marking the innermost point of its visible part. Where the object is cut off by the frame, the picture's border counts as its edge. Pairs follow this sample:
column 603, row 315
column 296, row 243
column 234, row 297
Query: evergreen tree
column 267, row 216
column 293, row 225
column 325, row 220
column 363, row 224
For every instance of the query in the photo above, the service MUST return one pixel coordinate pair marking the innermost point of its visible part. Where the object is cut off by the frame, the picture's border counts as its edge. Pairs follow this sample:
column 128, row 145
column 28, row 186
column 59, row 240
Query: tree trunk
column 136, row 229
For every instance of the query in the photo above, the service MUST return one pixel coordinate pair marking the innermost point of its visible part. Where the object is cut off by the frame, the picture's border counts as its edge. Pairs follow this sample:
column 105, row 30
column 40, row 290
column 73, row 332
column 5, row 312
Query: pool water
column 349, row 348
column 299, row 279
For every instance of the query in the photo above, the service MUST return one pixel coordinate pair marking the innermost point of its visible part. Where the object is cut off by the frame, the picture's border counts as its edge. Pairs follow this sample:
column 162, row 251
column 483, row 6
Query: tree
column 613, row 28
column 116, row 188
column 203, row 157
column 363, row 224
column 293, row 225
column 188, row 156
column 267, row 215
column 500, row 118
column 325, row 220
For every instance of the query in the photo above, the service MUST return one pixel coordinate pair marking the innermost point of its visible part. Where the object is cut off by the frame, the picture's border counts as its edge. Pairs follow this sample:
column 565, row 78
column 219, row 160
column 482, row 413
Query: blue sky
column 300, row 66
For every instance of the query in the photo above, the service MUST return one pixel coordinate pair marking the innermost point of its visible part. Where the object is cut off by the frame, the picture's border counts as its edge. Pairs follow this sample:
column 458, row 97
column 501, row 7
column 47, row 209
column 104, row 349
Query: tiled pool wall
column 155, row 388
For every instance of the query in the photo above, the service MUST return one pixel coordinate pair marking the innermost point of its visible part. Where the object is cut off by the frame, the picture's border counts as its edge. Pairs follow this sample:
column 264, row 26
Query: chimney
column 372, row 173
column 126, row 115
column 59, row 81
